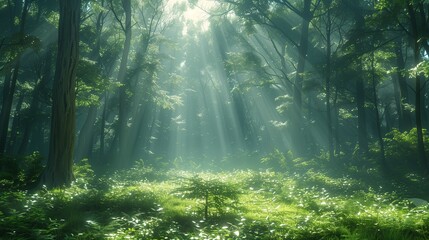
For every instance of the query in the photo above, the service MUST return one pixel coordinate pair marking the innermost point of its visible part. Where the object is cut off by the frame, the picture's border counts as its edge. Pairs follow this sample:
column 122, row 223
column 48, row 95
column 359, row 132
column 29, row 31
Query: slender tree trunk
column 360, row 102
column 85, row 139
column 360, row 91
column 419, row 126
column 398, row 103
column 8, row 92
column 383, row 163
column 122, row 129
column 418, row 86
column 11, row 80
column 328, row 83
column 388, row 117
column 32, row 117
column 337, row 122
column 103, row 128
column 16, row 123
column 58, row 171
column 405, row 118
column 302, row 50
column 297, row 114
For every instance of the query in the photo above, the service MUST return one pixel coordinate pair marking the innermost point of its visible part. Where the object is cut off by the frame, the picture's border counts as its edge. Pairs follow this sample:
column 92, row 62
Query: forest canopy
column 316, row 88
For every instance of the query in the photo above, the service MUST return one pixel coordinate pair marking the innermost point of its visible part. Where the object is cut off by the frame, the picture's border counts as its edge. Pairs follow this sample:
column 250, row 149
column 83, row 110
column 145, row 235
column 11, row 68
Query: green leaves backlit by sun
column 152, row 204
column 197, row 13
column 214, row 119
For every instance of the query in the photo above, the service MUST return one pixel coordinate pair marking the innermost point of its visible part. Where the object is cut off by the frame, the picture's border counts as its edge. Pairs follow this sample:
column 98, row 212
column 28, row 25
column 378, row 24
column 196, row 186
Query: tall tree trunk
column 85, row 140
column 401, row 96
column 418, row 86
column 360, row 102
column 8, row 92
column 297, row 115
column 16, row 123
column 419, row 125
column 383, row 163
column 122, row 128
column 11, row 80
column 360, row 89
column 58, row 171
column 33, row 116
column 103, row 128
column 302, row 57
column 336, row 122
column 328, row 82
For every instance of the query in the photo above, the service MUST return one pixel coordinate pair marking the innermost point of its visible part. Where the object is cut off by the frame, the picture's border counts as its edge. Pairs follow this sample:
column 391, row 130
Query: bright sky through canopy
column 195, row 14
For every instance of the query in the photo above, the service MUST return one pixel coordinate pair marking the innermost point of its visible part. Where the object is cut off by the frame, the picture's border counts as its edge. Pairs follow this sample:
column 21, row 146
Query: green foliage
column 140, row 227
column 401, row 149
column 285, row 161
column 213, row 193
column 285, row 101
column 167, row 101
column 20, row 172
column 14, row 46
column 267, row 205
column 278, row 160
column 141, row 171
column 90, row 83
column 130, row 199
column 249, row 66
column 83, row 172
column 422, row 69
column 340, row 185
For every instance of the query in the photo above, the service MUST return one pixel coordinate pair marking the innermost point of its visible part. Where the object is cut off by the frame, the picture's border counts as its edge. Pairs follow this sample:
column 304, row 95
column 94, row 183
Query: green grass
column 270, row 205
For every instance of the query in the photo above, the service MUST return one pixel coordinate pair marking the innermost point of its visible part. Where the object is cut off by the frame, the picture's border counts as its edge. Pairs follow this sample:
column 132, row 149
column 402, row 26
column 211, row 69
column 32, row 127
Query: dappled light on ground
column 145, row 204
column 214, row 119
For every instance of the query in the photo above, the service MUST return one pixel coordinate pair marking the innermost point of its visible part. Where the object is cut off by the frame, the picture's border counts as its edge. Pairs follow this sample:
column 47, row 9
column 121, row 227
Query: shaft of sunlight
column 194, row 14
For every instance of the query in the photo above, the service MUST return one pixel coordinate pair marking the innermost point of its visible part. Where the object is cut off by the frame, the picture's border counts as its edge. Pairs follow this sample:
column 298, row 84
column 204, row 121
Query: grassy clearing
column 250, row 205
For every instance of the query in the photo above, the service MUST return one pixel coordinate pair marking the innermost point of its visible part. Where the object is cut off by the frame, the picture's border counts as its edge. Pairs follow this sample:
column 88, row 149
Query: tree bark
column 302, row 50
column 383, row 163
column 16, row 123
column 122, row 128
column 360, row 90
column 103, row 127
column 418, row 86
column 328, row 82
column 401, row 96
column 297, row 115
column 85, row 140
column 360, row 102
column 11, row 80
column 8, row 93
column 58, row 171
column 32, row 117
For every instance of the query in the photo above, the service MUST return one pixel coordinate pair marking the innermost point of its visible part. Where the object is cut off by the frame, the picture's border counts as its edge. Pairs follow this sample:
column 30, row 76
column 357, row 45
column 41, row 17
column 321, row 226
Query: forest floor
column 143, row 203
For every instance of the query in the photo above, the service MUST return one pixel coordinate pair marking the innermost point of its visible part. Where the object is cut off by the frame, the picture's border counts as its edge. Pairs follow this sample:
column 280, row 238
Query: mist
column 214, row 119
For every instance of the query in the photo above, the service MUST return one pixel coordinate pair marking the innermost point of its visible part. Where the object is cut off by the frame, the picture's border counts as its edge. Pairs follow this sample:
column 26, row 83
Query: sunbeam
column 214, row 119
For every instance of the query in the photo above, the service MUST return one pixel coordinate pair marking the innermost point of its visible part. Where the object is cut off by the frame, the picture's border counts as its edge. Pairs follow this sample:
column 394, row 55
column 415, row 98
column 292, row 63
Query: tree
column 273, row 15
column 360, row 27
column 11, row 78
column 58, row 171
column 122, row 130
column 92, row 84
column 417, row 34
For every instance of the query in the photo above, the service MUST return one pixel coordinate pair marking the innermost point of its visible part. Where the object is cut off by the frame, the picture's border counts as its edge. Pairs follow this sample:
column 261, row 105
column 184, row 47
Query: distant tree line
column 119, row 80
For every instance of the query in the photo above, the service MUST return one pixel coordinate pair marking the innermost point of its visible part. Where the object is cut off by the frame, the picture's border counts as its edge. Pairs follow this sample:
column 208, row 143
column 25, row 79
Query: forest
column 214, row 119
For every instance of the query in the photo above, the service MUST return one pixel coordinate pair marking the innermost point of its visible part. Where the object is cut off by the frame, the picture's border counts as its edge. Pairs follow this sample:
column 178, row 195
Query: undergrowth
column 142, row 203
